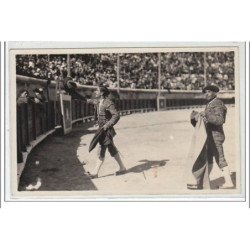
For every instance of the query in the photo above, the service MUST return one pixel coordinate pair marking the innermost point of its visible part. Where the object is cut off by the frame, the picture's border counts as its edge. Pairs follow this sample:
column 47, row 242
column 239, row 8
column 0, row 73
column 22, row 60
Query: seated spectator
column 179, row 70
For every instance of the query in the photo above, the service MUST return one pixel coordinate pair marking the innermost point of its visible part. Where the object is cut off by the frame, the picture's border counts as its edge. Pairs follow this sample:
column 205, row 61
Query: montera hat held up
column 211, row 88
column 68, row 84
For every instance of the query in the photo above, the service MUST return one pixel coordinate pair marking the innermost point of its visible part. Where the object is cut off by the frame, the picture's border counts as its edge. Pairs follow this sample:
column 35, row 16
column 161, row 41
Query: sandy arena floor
column 154, row 147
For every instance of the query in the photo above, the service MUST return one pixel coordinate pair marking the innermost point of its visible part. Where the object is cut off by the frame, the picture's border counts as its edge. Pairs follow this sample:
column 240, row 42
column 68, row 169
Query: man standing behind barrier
column 107, row 116
column 214, row 117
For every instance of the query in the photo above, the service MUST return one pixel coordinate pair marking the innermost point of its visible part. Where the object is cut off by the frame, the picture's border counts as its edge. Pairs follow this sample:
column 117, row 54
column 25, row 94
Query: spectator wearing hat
column 107, row 116
column 39, row 95
column 23, row 97
column 214, row 117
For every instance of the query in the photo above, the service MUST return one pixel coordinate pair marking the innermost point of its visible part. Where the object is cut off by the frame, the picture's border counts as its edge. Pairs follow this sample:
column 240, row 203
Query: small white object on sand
column 36, row 186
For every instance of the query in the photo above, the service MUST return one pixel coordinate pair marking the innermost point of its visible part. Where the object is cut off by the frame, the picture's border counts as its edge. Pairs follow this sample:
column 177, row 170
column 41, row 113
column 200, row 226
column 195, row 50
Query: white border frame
column 96, row 45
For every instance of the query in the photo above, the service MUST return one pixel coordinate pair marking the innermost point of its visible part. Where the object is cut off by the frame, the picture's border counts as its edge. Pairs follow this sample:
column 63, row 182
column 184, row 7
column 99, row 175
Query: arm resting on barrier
column 92, row 101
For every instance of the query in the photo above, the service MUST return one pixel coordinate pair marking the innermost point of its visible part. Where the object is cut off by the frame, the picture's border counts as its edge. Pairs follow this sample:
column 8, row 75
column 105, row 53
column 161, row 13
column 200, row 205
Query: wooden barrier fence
column 34, row 120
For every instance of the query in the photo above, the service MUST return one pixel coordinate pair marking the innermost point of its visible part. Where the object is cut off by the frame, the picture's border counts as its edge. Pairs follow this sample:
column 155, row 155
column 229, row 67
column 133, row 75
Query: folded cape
column 96, row 139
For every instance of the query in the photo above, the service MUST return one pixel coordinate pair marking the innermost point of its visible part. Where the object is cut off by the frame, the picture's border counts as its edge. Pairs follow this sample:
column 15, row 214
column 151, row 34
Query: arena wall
column 36, row 121
column 29, row 83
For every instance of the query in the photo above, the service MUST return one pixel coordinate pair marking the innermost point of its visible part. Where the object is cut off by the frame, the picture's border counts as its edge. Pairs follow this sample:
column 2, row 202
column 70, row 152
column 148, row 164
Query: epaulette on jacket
column 216, row 102
column 107, row 102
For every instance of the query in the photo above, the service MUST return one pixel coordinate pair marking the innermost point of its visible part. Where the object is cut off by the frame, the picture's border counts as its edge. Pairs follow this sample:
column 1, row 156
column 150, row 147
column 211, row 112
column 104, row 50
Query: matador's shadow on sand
column 144, row 166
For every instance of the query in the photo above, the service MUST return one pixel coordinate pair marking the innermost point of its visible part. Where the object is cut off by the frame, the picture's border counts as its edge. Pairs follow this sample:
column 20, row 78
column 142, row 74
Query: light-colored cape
column 197, row 166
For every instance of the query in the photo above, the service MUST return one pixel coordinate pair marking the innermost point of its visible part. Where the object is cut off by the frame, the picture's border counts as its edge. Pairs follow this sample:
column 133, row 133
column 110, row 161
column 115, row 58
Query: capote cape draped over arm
column 197, row 165
column 108, row 116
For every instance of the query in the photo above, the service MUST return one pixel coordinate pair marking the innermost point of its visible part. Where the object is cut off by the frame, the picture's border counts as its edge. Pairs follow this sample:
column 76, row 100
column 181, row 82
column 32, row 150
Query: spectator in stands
column 40, row 66
column 133, row 85
column 220, row 69
column 89, row 69
column 39, row 95
column 179, row 70
column 142, row 67
column 23, row 97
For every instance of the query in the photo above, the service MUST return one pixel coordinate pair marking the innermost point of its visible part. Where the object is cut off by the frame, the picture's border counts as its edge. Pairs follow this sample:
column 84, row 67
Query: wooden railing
column 35, row 120
column 81, row 110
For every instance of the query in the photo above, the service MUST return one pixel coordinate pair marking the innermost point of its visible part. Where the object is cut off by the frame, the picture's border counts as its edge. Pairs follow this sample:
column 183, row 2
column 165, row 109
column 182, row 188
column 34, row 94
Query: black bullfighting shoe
column 120, row 172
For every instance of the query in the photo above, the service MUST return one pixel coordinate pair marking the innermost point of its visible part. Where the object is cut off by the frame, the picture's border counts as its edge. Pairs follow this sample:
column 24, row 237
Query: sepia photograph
column 145, row 121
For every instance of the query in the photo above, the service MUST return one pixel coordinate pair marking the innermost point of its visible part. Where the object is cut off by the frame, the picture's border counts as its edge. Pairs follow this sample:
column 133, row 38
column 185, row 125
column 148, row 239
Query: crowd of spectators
column 139, row 71
column 179, row 70
column 182, row 70
column 220, row 69
column 92, row 69
column 42, row 66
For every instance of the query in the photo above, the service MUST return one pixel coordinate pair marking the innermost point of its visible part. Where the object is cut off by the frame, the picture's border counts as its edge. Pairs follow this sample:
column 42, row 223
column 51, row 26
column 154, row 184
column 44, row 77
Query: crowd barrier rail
column 35, row 121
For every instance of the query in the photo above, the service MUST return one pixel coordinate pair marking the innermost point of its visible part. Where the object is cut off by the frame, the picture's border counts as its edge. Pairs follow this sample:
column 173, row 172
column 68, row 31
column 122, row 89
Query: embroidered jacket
column 215, row 115
column 105, row 112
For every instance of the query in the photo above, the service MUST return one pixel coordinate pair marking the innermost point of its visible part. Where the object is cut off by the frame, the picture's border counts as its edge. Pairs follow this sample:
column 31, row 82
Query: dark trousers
column 102, row 150
column 215, row 149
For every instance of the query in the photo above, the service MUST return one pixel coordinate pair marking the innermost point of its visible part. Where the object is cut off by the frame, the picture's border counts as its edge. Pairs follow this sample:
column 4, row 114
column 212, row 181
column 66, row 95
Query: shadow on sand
column 220, row 181
column 55, row 162
column 144, row 166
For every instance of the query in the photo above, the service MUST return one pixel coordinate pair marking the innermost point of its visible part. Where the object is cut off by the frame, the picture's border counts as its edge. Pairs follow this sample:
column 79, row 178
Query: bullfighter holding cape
column 207, row 143
column 106, row 116
column 197, row 174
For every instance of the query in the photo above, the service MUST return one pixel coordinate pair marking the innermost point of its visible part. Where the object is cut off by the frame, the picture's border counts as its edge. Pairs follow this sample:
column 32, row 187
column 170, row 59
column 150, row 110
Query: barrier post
column 118, row 73
column 55, row 103
column 205, row 68
column 19, row 135
column 159, row 81
column 26, row 117
column 34, row 120
column 68, row 64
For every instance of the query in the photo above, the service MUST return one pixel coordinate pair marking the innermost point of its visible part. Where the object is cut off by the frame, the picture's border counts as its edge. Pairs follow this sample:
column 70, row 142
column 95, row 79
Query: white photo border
column 104, row 45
